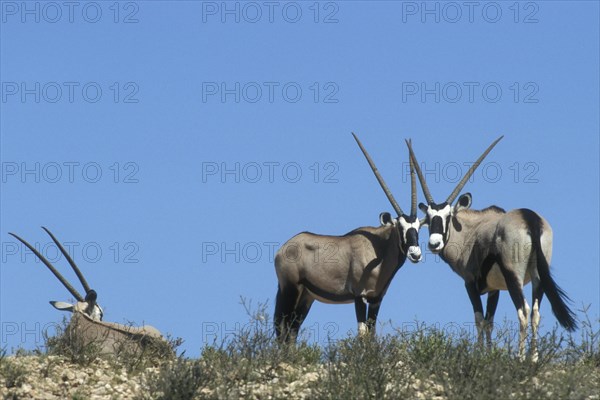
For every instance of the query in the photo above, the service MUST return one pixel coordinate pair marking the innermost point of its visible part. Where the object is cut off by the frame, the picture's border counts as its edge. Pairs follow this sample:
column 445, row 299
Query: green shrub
column 70, row 344
column 12, row 372
column 178, row 380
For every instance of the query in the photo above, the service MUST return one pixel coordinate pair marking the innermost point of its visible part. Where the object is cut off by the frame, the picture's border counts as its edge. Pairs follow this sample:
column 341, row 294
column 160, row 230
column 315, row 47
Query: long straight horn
column 424, row 186
column 62, row 280
column 413, row 186
column 386, row 190
column 86, row 287
column 465, row 178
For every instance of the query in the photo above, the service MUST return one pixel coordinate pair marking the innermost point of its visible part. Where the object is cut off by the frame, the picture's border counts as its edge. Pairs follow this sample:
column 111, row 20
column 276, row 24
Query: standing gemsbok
column 495, row 250
column 356, row 267
column 86, row 327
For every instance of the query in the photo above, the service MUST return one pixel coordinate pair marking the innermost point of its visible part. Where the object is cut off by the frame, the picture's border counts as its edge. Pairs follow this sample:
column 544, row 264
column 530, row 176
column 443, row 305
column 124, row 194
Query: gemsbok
column 493, row 250
column 356, row 267
column 86, row 326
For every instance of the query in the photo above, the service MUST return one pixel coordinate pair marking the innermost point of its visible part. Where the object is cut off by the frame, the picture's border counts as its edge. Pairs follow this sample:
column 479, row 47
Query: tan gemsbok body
column 495, row 250
column 356, row 267
column 86, row 325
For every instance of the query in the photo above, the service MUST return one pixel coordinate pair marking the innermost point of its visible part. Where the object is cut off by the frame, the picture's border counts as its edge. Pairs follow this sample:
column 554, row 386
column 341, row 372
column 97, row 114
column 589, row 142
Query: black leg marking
column 513, row 285
column 474, row 296
column 284, row 308
column 490, row 310
column 372, row 316
column 515, row 290
column 361, row 310
column 538, row 293
column 278, row 317
column 492, row 303
column 300, row 314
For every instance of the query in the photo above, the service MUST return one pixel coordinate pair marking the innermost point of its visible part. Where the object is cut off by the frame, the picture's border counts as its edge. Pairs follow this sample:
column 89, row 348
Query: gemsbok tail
column 557, row 297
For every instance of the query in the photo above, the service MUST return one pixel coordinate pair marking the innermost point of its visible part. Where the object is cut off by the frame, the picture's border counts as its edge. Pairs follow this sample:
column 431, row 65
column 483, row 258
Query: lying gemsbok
column 356, row 267
column 86, row 325
column 495, row 250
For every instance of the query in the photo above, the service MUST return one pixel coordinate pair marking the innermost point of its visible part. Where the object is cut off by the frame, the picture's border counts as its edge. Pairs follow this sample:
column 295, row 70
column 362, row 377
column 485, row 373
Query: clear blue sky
column 119, row 138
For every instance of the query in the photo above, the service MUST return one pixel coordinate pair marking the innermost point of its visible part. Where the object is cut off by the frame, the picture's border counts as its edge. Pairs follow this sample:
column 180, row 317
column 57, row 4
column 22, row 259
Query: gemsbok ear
column 385, row 218
column 464, row 202
column 423, row 207
column 62, row 306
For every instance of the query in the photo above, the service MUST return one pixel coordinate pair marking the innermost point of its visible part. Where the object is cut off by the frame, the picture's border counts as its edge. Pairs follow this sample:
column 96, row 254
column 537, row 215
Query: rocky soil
column 55, row 378
column 48, row 377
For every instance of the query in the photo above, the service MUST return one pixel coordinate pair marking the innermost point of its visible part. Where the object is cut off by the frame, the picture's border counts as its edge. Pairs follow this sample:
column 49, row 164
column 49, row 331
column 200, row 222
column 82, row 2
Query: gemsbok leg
column 372, row 315
column 538, row 293
column 475, row 298
column 515, row 288
column 360, row 307
column 285, row 304
column 490, row 310
column 366, row 315
column 299, row 314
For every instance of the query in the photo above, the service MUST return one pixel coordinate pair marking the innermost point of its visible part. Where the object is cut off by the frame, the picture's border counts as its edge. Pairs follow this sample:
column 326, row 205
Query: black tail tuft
column 557, row 297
